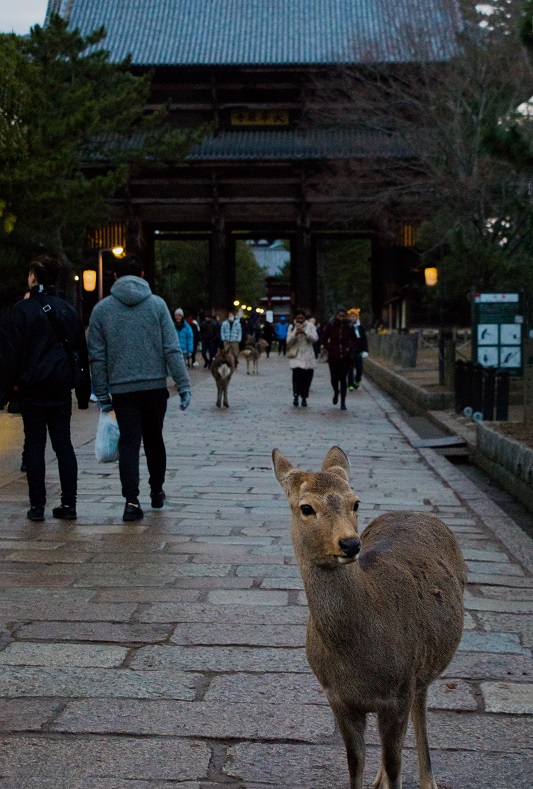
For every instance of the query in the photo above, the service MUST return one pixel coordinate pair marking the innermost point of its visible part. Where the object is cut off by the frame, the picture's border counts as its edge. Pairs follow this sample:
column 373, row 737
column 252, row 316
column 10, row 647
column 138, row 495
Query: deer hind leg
column 419, row 718
column 392, row 726
column 219, row 395
column 352, row 729
column 226, row 404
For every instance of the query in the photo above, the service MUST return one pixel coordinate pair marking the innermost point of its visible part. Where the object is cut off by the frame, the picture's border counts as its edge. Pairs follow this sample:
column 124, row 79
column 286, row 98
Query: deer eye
column 306, row 509
column 356, row 506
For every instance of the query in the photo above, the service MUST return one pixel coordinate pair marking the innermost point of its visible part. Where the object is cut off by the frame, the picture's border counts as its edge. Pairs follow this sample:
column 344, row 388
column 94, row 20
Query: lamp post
column 118, row 252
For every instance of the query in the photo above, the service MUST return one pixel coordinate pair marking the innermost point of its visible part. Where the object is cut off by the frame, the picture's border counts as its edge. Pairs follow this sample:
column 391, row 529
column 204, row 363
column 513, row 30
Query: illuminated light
column 431, row 276
column 236, row 303
column 76, row 278
column 118, row 252
column 89, row 280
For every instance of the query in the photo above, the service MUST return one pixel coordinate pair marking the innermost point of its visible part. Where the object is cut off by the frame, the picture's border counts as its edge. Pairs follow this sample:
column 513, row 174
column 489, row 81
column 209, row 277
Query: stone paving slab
column 169, row 652
column 106, row 758
column 76, row 682
column 300, row 722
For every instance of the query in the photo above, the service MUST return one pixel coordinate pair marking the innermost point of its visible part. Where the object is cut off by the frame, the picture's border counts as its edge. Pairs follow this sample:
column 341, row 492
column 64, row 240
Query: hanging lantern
column 431, row 276
column 89, row 280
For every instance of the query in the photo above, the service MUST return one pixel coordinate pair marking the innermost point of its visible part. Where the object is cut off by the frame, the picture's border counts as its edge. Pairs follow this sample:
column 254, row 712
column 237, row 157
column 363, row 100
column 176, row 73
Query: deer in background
column 252, row 351
column 385, row 611
column 222, row 368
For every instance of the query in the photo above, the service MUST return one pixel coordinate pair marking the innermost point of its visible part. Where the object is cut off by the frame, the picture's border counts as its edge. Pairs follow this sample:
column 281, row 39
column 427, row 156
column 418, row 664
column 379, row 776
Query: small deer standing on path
column 222, row 368
column 382, row 628
column 252, row 352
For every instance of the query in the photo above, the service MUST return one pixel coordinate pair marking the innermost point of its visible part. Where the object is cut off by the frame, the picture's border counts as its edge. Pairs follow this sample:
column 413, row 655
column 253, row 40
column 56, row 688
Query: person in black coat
column 44, row 359
column 360, row 351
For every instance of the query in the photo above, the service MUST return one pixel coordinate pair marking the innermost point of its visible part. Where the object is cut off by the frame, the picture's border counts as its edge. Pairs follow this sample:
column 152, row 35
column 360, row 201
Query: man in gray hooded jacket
column 132, row 343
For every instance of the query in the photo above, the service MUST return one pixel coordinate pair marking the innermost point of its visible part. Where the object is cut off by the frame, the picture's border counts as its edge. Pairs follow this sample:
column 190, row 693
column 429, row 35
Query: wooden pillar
column 303, row 268
column 147, row 254
column 221, row 267
column 377, row 280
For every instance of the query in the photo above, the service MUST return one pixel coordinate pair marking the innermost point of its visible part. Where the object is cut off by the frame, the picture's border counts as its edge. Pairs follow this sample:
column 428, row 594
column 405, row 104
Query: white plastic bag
column 107, row 435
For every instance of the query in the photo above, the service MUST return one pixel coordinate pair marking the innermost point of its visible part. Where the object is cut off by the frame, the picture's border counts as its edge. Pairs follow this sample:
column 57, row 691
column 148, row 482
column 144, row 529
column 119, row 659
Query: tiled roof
column 267, row 32
column 291, row 145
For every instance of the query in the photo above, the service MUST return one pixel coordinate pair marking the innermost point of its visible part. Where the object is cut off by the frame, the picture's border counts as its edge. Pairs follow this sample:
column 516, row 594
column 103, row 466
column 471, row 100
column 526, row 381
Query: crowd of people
column 131, row 346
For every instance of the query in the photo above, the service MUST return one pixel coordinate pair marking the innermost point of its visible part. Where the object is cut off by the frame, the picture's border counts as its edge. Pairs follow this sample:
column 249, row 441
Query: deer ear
column 336, row 462
column 282, row 467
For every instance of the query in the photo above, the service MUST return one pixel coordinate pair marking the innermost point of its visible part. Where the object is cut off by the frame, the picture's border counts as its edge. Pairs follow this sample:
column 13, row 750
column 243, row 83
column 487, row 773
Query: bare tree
column 425, row 128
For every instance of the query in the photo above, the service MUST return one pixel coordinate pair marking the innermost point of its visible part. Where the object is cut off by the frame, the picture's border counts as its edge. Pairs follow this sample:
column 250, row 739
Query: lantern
column 431, row 276
column 89, row 280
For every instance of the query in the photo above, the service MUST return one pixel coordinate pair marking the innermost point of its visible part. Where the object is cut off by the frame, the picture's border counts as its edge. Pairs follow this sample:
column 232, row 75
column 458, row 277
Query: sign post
column 497, row 331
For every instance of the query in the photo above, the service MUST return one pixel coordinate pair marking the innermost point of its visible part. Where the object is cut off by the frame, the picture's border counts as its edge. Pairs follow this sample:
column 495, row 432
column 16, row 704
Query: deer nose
column 351, row 547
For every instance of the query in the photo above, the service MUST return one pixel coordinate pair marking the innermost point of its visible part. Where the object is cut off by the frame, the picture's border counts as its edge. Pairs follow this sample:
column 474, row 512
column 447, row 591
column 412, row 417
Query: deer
column 222, row 369
column 252, row 352
column 385, row 611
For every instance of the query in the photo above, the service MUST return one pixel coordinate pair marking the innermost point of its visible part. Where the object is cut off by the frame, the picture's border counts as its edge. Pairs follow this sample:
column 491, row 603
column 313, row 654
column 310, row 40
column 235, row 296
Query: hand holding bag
column 107, row 435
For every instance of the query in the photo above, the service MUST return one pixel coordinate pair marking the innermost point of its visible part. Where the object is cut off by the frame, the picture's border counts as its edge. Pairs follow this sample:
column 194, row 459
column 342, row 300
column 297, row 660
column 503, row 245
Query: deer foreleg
column 352, row 729
column 392, row 724
column 419, row 718
column 226, row 396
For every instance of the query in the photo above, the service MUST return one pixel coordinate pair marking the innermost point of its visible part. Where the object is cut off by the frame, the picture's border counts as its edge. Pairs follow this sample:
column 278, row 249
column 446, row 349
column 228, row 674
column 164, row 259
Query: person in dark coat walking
column 46, row 342
column 338, row 339
column 361, row 349
column 209, row 335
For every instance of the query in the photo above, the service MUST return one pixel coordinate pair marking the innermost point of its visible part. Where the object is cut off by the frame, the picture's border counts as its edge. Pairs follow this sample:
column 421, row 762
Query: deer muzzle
column 350, row 548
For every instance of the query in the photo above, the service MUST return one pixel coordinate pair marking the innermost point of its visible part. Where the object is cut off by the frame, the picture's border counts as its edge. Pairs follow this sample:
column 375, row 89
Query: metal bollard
column 502, row 396
column 489, row 383
column 478, row 372
column 460, row 385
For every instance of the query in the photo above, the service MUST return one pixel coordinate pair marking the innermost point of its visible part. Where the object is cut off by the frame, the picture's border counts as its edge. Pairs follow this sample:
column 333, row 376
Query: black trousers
column 282, row 347
column 140, row 416
column 357, row 366
column 209, row 349
column 338, row 370
column 53, row 417
column 301, row 381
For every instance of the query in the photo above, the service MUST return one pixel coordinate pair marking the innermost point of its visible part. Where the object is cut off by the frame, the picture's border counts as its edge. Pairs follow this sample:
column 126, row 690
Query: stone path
column 170, row 652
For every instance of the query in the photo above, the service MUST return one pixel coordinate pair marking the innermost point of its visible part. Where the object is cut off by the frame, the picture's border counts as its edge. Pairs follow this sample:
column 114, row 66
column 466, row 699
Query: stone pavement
column 170, row 652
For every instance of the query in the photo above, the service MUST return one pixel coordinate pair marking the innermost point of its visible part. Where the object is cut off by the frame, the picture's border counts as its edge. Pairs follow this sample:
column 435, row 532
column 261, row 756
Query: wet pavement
column 170, row 652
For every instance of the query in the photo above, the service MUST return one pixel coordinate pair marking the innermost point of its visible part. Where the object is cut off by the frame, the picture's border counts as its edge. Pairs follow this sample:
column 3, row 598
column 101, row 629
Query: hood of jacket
column 131, row 290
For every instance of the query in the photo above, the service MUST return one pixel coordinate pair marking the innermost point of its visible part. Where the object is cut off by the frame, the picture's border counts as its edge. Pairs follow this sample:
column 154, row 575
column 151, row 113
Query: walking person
column 265, row 331
column 46, row 343
column 338, row 338
column 185, row 335
column 209, row 337
column 300, row 338
column 231, row 335
column 361, row 349
column 281, row 330
column 132, row 343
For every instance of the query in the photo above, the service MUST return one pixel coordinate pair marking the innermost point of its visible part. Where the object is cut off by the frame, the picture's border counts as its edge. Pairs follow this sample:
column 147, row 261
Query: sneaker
column 36, row 514
column 93, row 398
column 132, row 512
column 351, row 388
column 65, row 512
column 357, row 384
column 304, row 402
column 295, row 401
column 196, row 364
column 335, row 398
column 343, row 406
column 158, row 500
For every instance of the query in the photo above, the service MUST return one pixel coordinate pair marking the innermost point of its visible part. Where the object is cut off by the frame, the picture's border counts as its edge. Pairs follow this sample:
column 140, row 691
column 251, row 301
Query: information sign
column 497, row 331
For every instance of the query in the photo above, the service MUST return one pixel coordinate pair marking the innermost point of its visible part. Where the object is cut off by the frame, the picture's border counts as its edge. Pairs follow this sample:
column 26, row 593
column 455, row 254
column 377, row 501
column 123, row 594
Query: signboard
column 497, row 331
column 249, row 117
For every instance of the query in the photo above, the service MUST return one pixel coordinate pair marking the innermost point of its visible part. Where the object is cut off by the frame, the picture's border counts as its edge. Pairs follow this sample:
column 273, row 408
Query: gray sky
column 18, row 16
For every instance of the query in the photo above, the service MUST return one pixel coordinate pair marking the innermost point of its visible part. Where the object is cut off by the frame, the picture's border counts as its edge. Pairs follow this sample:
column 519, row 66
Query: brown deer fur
column 222, row 369
column 383, row 624
column 252, row 352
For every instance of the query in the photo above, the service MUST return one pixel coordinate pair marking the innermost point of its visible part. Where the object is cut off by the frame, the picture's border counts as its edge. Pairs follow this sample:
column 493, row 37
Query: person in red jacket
column 338, row 339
